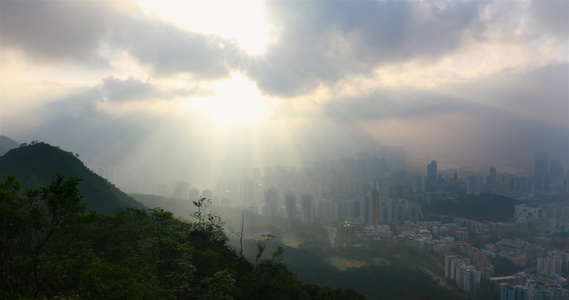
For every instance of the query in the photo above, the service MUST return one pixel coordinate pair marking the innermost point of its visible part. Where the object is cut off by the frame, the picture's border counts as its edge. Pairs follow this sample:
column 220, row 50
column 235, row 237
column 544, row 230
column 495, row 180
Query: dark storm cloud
column 48, row 30
column 324, row 41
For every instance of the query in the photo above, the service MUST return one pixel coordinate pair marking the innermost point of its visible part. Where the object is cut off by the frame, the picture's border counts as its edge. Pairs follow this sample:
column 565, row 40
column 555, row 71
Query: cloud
column 115, row 89
column 77, row 124
column 396, row 104
column 540, row 93
column 95, row 31
column 325, row 41
column 168, row 49
column 56, row 30
column 502, row 118
column 471, row 77
column 553, row 16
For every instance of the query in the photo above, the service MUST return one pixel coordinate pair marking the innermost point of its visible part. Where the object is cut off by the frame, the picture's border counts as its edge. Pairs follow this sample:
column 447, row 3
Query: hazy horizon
column 205, row 87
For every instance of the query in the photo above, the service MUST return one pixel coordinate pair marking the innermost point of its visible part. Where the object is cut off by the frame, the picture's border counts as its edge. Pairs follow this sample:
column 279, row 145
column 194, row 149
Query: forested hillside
column 51, row 247
column 39, row 163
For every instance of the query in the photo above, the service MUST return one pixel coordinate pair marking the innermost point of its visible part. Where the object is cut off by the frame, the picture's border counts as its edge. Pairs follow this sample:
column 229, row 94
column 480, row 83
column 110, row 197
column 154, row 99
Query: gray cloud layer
column 56, row 30
column 314, row 42
column 328, row 40
column 79, row 31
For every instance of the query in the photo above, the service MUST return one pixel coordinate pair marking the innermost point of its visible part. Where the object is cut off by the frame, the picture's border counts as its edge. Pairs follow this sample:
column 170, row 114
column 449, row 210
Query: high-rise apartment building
column 432, row 174
column 473, row 185
column 271, row 202
column 375, row 207
column 290, row 205
column 541, row 163
column 491, row 179
column 307, row 208
column 541, row 170
column 194, row 194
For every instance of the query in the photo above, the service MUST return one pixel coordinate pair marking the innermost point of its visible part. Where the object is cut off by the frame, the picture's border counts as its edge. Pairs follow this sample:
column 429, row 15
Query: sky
column 198, row 87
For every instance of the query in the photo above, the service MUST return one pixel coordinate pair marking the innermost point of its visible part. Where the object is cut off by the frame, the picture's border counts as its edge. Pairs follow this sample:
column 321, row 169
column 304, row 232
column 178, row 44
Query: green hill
column 38, row 164
column 51, row 248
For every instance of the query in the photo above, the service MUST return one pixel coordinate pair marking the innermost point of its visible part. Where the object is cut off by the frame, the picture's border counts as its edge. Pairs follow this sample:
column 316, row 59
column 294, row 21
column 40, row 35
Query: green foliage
column 503, row 266
column 51, row 248
column 272, row 280
column 262, row 245
column 37, row 163
column 207, row 222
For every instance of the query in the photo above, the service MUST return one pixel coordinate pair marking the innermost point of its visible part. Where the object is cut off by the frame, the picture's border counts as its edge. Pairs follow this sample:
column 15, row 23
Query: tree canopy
column 51, row 247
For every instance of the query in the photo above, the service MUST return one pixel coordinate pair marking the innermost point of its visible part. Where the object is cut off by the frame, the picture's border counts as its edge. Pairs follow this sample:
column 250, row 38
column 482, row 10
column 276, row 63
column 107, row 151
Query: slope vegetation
column 38, row 164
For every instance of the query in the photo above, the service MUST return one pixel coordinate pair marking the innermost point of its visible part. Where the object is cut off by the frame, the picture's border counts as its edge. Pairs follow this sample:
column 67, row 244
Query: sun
column 236, row 100
column 242, row 21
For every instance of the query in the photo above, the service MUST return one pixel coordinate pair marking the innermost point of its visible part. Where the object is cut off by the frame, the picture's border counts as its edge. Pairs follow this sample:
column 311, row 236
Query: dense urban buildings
column 368, row 199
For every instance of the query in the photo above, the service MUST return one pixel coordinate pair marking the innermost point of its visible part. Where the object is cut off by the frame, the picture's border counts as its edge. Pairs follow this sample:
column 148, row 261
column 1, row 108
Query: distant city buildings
column 290, row 205
column 473, row 185
column 491, row 180
column 522, row 211
column 307, row 208
column 271, row 203
column 432, row 174
column 465, row 275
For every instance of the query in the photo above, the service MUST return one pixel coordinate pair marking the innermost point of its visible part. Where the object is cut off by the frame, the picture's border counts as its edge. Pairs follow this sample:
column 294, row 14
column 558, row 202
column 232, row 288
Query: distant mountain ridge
column 7, row 144
column 37, row 164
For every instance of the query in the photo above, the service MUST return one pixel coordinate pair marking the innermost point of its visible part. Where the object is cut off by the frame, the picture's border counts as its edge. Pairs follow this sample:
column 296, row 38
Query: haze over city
column 259, row 149
column 196, row 89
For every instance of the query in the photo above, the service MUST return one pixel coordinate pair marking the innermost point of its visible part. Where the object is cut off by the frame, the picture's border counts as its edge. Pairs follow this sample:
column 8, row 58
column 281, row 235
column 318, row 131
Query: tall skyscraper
column 541, row 169
column 307, row 208
column 207, row 193
column 541, row 163
column 249, row 191
column 397, row 192
column 194, row 194
column 473, row 185
column 375, row 207
column 271, row 202
column 367, row 209
column 290, row 205
column 432, row 174
column 491, row 179
column 419, row 184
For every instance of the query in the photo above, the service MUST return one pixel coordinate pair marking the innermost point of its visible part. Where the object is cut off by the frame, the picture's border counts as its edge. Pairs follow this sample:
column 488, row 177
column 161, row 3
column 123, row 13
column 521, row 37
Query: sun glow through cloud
column 242, row 21
column 237, row 100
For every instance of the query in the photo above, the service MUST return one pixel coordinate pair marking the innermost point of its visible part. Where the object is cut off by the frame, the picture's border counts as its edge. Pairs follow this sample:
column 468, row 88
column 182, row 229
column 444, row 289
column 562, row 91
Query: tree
column 208, row 223
column 239, row 234
column 37, row 228
column 261, row 245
